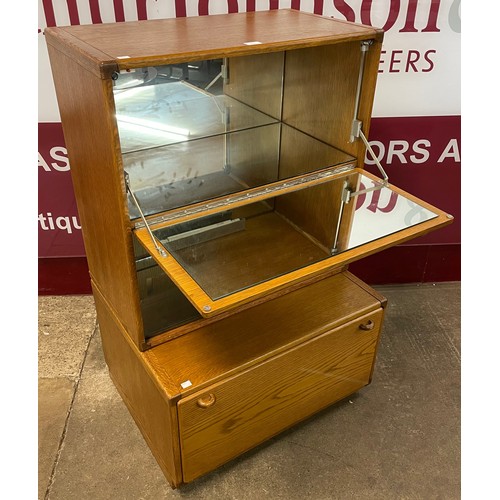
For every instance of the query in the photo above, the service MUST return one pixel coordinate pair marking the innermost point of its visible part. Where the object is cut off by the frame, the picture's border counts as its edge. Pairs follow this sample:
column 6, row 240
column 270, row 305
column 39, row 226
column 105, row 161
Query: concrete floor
column 398, row 438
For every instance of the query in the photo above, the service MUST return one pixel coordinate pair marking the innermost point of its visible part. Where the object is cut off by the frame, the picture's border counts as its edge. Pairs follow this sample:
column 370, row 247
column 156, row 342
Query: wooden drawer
column 236, row 414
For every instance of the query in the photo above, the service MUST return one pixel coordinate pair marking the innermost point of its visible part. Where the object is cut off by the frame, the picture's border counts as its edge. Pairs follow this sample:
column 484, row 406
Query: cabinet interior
column 196, row 131
column 232, row 170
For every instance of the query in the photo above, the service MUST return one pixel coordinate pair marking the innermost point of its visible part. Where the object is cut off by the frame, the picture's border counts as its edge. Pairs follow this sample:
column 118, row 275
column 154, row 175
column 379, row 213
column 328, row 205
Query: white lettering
column 42, row 163
column 50, row 221
column 420, row 150
column 380, row 155
column 66, row 226
column 58, row 153
column 54, row 153
column 41, row 220
column 62, row 223
column 450, row 151
column 397, row 148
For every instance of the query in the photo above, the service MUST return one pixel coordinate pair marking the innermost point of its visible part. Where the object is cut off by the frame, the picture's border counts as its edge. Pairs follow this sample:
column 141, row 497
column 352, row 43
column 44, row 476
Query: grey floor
column 398, row 438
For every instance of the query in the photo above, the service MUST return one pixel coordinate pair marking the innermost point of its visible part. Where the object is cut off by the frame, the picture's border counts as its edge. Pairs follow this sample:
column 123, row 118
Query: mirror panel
column 238, row 248
column 195, row 131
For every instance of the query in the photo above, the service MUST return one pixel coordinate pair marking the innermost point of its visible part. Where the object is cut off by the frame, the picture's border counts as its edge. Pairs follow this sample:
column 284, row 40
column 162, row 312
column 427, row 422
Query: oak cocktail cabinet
column 218, row 167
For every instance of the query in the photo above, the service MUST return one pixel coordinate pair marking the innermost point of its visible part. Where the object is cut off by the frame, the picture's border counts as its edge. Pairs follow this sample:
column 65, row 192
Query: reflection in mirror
column 195, row 131
column 382, row 212
column 181, row 174
column 239, row 247
column 155, row 290
column 177, row 103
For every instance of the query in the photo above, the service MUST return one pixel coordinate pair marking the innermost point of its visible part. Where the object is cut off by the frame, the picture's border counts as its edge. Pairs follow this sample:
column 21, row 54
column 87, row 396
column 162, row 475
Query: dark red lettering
column 429, row 60
column 373, row 207
column 119, row 11
column 360, row 199
column 318, row 7
column 344, row 9
column 180, row 8
column 203, row 7
column 95, row 11
column 74, row 18
column 232, row 6
column 48, row 9
column 394, row 61
column 413, row 57
column 382, row 52
column 433, row 16
column 366, row 7
column 142, row 12
column 409, row 26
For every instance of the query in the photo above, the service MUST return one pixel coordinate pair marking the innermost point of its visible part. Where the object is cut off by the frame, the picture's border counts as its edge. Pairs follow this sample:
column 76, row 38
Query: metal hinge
column 347, row 194
column 228, row 202
column 160, row 250
column 356, row 124
column 357, row 131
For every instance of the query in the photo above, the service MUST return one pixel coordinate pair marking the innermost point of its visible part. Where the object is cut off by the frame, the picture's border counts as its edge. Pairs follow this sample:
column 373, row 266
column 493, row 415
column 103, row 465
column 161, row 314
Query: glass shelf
column 188, row 172
column 254, row 248
column 237, row 254
column 187, row 137
column 168, row 113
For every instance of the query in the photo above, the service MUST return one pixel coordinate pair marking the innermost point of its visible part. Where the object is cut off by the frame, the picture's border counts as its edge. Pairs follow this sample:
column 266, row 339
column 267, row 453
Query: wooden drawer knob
column 206, row 401
column 369, row 325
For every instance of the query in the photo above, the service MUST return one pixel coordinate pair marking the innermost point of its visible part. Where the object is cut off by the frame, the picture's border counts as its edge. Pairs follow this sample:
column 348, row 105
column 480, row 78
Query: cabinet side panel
column 320, row 92
column 87, row 112
column 153, row 412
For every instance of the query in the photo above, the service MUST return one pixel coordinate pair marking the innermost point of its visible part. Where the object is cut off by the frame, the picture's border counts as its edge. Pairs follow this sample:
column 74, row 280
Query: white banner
column 419, row 73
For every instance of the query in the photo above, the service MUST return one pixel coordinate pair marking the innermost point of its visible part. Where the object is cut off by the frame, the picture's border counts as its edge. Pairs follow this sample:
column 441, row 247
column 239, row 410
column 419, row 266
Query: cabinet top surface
column 161, row 41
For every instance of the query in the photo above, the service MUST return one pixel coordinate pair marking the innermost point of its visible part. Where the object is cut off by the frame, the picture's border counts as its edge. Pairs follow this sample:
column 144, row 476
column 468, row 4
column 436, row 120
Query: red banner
column 420, row 154
column 59, row 232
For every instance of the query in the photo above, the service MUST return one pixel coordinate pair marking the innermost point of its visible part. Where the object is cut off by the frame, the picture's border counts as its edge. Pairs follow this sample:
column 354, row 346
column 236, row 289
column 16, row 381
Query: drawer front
column 235, row 415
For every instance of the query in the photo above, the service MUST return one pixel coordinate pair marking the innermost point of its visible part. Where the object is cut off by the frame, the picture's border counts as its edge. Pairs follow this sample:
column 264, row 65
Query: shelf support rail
column 356, row 123
column 160, row 250
column 357, row 131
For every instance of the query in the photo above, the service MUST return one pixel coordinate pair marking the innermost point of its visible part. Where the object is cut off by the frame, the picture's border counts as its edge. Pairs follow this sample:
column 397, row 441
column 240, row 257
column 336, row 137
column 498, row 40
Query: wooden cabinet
column 230, row 417
column 218, row 167
column 208, row 395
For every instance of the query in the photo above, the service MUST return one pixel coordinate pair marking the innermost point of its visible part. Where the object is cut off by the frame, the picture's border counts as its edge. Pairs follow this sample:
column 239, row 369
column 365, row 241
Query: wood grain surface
column 147, row 398
column 166, row 41
column 255, row 405
column 222, row 348
column 90, row 133
column 320, row 91
column 257, row 80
